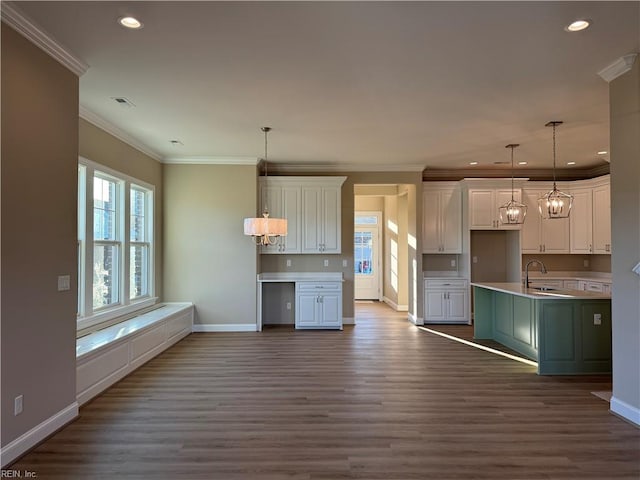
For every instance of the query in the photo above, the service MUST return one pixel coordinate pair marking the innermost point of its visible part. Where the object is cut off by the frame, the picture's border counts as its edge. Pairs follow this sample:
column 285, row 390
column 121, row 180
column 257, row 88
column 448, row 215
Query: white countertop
column 603, row 277
column 300, row 277
column 516, row 288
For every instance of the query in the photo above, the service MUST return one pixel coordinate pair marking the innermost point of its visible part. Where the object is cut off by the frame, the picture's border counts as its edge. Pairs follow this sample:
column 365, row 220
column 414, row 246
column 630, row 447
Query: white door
column 366, row 257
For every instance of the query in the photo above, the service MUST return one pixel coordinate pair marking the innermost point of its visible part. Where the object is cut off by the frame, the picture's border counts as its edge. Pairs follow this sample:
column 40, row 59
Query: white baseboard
column 224, row 327
column 395, row 306
column 415, row 320
column 624, row 410
column 30, row 439
column 348, row 321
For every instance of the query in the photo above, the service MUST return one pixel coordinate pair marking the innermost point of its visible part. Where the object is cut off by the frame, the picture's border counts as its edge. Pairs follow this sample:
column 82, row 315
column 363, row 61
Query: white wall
column 625, row 243
column 207, row 258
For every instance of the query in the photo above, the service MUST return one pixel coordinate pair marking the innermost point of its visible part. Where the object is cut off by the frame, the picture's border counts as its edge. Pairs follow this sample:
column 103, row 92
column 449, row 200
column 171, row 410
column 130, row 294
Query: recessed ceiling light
column 473, row 163
column 522, row 163
column 176, row 142
column 571, row 163
column 130, row 22
column 602, row 152
column 125, row 102
column 578, row 25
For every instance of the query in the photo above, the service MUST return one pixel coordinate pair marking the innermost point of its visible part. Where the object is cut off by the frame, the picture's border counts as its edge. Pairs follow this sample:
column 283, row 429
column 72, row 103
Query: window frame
column 88, row 316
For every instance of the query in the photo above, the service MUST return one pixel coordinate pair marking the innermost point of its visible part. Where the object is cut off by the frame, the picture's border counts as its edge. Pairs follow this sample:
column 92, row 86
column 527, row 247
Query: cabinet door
column 306, row 310
column 330, row 307
column 291, row 243
column 580, row 222
column 457, row 305
column 431, row 221
column 481, row 210
column 311, row 223
column 271, row 198
column 555, row 235
column 530, row 236
column 331, row 217
column 601, row 219
column 451, row 221
column 434, row 308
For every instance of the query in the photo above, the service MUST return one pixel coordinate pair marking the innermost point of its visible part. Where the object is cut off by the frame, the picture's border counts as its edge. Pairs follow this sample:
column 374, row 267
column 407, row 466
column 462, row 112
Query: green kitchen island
column 566, row 332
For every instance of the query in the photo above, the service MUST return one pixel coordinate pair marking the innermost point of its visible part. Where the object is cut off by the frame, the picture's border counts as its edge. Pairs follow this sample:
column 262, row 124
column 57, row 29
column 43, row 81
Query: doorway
column 367, row 256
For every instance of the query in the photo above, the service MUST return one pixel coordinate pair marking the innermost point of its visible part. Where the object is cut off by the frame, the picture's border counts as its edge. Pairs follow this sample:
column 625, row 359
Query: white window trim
column 125, row 306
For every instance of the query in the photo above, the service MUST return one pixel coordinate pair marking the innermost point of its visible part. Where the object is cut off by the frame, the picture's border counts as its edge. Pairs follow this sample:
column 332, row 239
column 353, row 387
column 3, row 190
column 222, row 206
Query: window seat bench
column 105, row 356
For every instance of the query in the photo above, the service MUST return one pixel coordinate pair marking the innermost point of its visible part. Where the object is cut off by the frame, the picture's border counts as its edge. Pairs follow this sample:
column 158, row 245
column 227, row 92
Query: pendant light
column 512, row 212
column 555, row 204
column 265, row 230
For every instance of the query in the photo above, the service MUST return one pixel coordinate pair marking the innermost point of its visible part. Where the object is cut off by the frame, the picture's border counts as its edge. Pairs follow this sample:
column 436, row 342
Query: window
column 115, row 244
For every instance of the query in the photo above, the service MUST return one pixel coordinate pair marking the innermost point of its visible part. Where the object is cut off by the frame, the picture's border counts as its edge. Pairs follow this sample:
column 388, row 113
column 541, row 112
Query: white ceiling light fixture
column 578, row 25
column 512, row 212
column 265, row 230
column 602, row 152
column 473, row 163
column 555, row 204
column 130, row 22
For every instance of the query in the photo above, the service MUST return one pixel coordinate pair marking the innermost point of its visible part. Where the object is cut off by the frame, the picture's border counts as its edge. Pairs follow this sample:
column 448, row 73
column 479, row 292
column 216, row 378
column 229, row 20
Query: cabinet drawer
column 594, row 287
column 445, row 284
column 318, row 286
column 547, row 283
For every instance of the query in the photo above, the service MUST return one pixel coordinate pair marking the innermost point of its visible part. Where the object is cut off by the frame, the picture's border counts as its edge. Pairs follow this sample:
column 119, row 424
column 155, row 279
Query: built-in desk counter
column 565, row 331
column 318, row 296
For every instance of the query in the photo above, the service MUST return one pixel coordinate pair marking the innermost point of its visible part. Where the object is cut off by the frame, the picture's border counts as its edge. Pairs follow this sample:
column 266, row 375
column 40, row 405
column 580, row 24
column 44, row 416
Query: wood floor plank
column 381, row 400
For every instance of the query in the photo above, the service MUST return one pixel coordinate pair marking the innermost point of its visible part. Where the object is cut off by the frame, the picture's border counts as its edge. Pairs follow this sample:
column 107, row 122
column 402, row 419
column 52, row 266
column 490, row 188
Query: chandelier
column 265, row 230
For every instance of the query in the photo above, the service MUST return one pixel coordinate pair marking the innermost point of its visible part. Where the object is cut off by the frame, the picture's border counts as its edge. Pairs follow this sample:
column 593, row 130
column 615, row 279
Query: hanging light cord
column 554, row 156
column 266, row 170
column 512, row 147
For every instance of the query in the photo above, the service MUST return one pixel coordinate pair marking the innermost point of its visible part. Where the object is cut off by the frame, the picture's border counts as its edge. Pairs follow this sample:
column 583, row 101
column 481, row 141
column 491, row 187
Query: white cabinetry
column 541, row 235
column 319, row 305
column 581, row 221
column 283, row 201
column 312, row 208
column 321, row 216
column 590, row 218
column 441, row 218
column 446, row 300
column 484, row 205
column 602, row 219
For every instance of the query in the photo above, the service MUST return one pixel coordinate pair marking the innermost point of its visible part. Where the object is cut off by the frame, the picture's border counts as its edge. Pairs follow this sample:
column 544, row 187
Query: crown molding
column 617, row 68
column 117, row 132
column 12, row 16
column 342, row 167
column 211, row 160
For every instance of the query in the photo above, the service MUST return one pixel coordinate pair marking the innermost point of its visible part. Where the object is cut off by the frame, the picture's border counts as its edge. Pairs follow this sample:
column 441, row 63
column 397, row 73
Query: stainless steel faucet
column 543, row 270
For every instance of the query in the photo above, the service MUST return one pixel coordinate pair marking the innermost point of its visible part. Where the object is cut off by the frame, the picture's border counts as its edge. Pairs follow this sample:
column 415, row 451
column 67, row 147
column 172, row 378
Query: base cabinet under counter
column 446, row 300
column 319, row 305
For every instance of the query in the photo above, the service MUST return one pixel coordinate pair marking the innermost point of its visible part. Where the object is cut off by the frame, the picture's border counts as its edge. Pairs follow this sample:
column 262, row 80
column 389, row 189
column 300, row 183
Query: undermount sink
column 545, row 289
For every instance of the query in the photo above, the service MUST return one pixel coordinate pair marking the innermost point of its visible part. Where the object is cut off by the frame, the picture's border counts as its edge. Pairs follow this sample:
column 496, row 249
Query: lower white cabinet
column 446, row 301
column 319, row 305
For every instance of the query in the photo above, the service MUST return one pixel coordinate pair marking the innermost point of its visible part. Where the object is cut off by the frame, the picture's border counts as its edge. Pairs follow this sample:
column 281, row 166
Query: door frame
column 379, row 238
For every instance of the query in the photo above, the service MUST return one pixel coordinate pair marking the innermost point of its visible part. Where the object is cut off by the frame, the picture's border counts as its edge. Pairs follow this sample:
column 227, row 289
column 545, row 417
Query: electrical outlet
column 453, row 263
column 64, row 283
column 344, row 263
column 17, row 405
column 475, row 259
column 288, row 305
column 597, row 319
column 288, row 262
column 585, row 262
column 326, row 262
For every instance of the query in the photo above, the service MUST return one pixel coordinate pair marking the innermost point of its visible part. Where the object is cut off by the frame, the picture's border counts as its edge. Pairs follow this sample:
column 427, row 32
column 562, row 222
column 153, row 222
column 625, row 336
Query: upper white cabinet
column 590, row 217
column 312, row 207
column 602, row 218
column 283, row 202
column 581, row 221
column 484, row 204
column 441, row 218
column 541, row 235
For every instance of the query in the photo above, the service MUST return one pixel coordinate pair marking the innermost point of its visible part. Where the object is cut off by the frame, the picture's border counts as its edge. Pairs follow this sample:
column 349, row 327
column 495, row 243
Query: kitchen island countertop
column 516, row 288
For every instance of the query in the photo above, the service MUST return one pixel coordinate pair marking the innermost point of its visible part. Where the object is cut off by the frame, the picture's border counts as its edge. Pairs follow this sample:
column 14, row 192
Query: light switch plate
column 288, row 262
column 64, row 283
column 344, row 263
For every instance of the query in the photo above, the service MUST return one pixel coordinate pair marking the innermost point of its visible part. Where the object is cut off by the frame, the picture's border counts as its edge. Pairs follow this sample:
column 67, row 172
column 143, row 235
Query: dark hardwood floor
column 381, row 400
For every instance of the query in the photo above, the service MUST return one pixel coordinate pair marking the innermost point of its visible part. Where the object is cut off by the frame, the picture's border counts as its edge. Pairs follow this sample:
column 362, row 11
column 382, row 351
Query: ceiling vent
column 125, row 102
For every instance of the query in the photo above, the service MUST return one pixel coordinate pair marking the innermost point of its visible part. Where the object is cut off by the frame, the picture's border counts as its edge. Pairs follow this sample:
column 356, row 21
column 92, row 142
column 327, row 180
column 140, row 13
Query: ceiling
column 362, row 85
